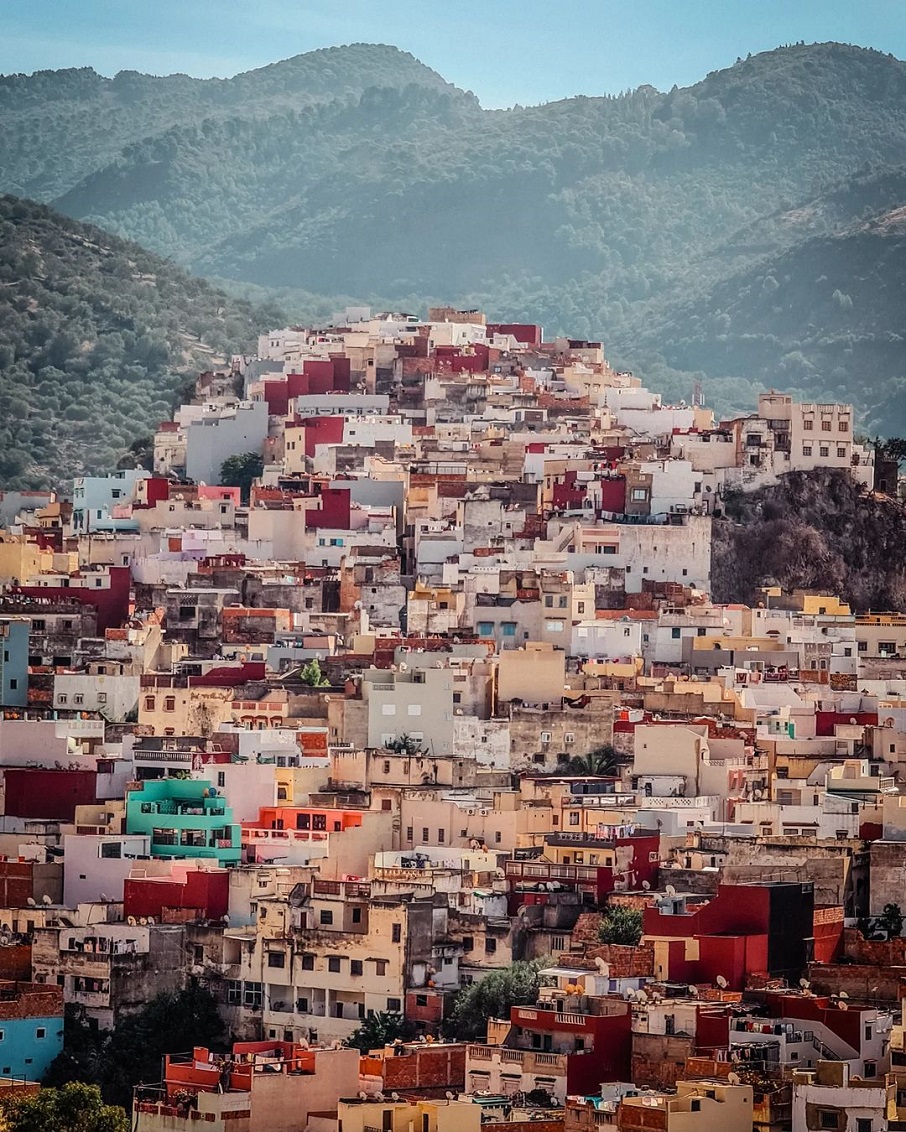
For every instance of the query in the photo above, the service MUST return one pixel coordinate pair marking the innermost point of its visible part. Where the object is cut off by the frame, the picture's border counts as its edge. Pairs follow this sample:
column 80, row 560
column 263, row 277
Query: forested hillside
column 359, row 171
column 821, row 313
column 97, row 336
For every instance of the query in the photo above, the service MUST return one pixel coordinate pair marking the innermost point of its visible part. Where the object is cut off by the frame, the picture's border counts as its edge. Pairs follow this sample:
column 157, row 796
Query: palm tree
column 601, row 760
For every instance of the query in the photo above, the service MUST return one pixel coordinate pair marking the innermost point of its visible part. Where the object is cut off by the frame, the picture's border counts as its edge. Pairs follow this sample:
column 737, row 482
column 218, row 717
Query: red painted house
column 187, row 894
column 746, row 929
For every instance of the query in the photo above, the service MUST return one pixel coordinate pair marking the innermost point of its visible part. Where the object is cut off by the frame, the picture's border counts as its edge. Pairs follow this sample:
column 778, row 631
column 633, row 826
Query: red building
column 52, row 794
column 187, row 894
column 746, row 929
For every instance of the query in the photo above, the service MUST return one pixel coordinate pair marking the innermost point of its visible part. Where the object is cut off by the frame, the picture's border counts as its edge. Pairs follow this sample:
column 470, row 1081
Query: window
column 357, row 915
column 149, row 703
column 843, row 425
column 808, row 425
column 102, row 697
column 485, row 628
column 841, row 452
column 393, row 1005
column 221, row 778
column 545, row 736
column 554, row 626
column 380, row 966
column 170, row 703
column 826, row 425
column 308, row 962
column 421, row 1000
column 676, row 634
column 326, row 916
column 396, row 933
column 827, row 1118
column 569, row 737
column 806, row 449
column 426, row 833
column 40, row 1033
column 252, row 996
column 276, row 959
column 824, row 451
column 639, row 494
column 356, row 967
column 863, row 1124
column 333, row 964
column 61, row 699
column 574, row 817
column 414, row 709
column 440, row 837
column 234, row 992
column 409, row 832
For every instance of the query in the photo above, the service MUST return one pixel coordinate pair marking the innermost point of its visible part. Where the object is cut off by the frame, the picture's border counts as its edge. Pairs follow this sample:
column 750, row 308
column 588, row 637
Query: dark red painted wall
column 33, row 793
column 207, row 891
column 613, row 495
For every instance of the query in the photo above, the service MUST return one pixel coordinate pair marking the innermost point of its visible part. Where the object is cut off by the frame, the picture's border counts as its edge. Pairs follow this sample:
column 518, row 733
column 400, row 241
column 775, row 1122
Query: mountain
column 358, row 170
column 97, row 337
column 818, row 313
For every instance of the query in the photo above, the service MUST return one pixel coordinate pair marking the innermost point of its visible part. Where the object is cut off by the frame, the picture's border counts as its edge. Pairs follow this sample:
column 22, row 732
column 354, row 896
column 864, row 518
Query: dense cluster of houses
column 433, row 686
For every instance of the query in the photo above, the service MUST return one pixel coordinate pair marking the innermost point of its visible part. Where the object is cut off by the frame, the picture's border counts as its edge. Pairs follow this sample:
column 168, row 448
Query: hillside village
column 397, row 671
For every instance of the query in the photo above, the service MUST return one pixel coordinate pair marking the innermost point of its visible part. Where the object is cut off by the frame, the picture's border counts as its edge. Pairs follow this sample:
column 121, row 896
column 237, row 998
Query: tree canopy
column 131, row 1054
column 74, row 1107
column 621, row 925
column 379, row 1030
column 492, row 997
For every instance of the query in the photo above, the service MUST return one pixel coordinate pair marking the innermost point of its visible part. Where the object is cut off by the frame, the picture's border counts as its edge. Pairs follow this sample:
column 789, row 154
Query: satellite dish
column 131, row 921
column 45, row 899
column 106, row 899
column 670, row 890
column 721, row 982
column 32, row 903
column 394, row 1096
column 693, row 990
column 151, row 921
column 734, row 1079
column 843, row 1006
column 843, row 994
column 143, row 921
column 804, row 983
column 646, row 884
column 641, row 996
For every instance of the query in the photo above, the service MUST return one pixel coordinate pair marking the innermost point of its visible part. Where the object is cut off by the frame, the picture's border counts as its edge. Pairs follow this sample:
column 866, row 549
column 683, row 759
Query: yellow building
column 355, row 1115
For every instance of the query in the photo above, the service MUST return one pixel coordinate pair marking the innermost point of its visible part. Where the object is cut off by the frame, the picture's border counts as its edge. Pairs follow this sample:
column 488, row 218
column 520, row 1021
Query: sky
column 506, row 51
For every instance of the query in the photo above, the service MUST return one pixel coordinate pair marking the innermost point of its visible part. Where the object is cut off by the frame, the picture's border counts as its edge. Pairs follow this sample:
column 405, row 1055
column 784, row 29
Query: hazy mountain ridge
column 97, row 337
column 822, row 315
column 358, row 171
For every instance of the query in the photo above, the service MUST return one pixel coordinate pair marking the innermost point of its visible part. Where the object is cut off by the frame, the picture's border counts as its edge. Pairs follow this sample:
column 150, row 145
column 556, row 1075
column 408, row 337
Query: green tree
column 599, row 760
column 241, row 470
column 891, row 920
column 621, row 925
column 312, row 675
column 131, row 1054
column 492, row 997
column 379, row 1030
column 73, row 1108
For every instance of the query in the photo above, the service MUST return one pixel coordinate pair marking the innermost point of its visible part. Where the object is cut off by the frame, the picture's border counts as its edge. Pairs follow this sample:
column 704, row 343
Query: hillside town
column 397, row 671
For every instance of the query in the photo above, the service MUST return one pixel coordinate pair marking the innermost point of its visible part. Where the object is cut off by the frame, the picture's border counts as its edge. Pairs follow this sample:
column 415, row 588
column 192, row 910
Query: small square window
column 333, row 964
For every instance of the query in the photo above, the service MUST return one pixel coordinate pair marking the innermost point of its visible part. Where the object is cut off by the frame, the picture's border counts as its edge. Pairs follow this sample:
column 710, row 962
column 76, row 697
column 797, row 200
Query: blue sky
column 506, row 51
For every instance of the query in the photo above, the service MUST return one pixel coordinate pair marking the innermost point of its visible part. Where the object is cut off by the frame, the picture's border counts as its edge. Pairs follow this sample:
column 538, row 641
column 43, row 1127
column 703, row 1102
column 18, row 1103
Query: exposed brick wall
column 658, row 1059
